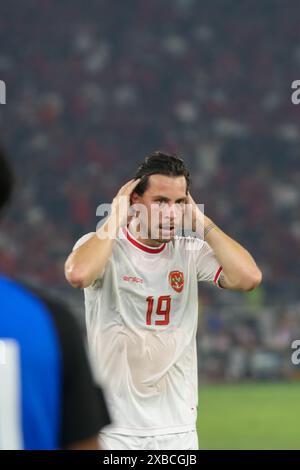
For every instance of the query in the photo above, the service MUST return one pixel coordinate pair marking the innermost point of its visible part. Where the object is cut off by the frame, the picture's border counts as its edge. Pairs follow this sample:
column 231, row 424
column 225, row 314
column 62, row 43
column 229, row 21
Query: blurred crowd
column 242, row 343
column 94, row 87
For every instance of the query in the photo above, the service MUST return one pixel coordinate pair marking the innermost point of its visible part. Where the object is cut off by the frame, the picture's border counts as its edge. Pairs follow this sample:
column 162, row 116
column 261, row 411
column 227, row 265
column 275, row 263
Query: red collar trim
column 140, row 245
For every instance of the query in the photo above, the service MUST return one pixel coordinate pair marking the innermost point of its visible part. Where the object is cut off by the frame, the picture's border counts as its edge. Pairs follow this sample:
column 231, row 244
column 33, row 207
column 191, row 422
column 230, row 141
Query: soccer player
column 141, row 303
column 48, row 399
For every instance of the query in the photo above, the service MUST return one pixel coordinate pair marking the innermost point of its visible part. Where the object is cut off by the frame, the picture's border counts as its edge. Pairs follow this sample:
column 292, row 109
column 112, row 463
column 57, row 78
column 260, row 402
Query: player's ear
column 134, row 198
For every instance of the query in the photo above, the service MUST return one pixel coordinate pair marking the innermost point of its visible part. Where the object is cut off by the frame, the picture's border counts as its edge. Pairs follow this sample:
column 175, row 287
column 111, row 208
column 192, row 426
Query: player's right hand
column 121, row 203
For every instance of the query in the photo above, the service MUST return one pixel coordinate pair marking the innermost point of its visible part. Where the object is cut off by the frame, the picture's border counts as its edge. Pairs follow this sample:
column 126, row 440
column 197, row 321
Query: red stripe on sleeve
column 217, row 274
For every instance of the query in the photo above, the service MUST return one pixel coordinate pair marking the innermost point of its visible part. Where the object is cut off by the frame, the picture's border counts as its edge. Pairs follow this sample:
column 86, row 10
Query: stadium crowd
column 92, row 88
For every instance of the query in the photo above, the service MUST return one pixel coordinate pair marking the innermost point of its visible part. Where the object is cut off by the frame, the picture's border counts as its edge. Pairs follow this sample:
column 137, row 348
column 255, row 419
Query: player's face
column 164, row 200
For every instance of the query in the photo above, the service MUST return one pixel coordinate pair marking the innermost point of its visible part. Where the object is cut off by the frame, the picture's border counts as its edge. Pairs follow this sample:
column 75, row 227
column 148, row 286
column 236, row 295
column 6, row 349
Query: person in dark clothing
column 48, row 399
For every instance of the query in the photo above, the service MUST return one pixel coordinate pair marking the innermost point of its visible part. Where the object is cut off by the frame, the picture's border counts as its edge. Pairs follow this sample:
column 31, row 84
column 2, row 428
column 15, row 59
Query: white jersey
column 141, row 320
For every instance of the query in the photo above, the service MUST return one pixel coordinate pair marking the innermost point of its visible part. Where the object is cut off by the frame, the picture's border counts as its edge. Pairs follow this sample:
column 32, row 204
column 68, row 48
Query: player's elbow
column 252, row 280
column 75, row 276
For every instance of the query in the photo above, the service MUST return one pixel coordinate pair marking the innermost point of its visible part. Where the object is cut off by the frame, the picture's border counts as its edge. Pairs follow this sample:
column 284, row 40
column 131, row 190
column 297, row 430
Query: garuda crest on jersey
column 176, row 280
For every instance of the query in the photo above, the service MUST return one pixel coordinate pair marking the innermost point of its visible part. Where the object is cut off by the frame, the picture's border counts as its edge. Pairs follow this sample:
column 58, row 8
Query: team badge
column 176, row 280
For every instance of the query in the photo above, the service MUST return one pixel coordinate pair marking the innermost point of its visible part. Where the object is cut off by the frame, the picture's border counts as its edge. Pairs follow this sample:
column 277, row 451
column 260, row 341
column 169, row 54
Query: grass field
column 249, row 416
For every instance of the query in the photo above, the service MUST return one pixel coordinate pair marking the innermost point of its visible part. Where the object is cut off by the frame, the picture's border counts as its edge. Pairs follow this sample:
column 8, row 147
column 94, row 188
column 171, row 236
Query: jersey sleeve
column 208, row 267
column 97, row 283
column 82, row 240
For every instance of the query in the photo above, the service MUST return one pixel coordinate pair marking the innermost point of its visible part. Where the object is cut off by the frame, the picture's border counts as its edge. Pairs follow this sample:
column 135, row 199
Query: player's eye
column 179, row 205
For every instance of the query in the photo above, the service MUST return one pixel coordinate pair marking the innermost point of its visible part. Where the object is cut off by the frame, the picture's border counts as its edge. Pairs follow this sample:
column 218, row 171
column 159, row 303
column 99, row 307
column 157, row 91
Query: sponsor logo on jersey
column 176, row 280
column 133, row 279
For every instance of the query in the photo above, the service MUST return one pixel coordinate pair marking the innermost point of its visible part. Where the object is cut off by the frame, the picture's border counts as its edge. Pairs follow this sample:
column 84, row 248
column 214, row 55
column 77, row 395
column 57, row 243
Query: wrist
column 209, row 225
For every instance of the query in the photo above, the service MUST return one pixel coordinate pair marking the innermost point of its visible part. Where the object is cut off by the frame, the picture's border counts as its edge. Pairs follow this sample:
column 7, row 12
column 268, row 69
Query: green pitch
column 249, row 416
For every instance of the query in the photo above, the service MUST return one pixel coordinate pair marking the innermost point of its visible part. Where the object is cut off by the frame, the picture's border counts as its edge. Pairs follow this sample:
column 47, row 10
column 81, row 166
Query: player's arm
column 239, row 270
column 88, row 444
column 87, row 263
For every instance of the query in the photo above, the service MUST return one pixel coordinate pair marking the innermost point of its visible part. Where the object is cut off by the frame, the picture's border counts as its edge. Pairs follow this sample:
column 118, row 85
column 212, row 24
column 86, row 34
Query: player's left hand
column 196, row 217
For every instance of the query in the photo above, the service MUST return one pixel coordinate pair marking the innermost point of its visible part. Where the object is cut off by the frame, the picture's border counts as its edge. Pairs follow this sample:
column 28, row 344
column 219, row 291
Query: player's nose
column 170, row 219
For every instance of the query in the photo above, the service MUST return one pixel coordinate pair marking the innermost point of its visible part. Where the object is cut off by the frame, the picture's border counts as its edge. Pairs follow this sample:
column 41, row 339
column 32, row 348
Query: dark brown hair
column 161, row 163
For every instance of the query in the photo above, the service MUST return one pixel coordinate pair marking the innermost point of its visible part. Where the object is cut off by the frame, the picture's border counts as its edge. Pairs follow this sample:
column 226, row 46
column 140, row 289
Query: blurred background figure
column 47, row 396
column 92, row 89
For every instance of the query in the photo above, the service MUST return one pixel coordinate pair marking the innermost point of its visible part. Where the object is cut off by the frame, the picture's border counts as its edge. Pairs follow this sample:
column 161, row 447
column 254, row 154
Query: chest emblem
column 176, row 280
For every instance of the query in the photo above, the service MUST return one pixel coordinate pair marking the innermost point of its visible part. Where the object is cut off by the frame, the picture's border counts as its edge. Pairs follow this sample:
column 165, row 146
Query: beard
column 163, row 234
column 158, row 235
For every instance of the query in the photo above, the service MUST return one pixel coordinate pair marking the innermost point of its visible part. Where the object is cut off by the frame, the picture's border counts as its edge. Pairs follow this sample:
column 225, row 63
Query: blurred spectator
column 91, row 90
